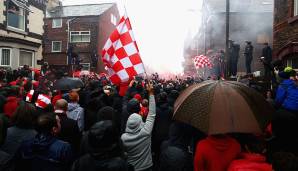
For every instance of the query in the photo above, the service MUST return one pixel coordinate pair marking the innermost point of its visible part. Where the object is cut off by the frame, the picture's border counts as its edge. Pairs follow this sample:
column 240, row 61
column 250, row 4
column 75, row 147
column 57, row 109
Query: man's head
column 74, row 97
column 49, row 124
column 61, row 105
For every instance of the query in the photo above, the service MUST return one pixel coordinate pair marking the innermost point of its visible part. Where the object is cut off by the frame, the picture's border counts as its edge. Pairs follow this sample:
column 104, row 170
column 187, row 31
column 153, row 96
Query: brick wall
column 105, row 29
column 285, row 29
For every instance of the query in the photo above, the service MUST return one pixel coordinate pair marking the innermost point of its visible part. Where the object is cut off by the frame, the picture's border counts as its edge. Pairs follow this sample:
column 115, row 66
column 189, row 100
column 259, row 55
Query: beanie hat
column 134, row 123
column 133, row 106
column 42, row 101
column 138, row 97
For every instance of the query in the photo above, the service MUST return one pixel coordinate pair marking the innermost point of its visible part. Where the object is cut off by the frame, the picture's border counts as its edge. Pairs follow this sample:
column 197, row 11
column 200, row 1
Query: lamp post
column 68, row 40
column 227, row 55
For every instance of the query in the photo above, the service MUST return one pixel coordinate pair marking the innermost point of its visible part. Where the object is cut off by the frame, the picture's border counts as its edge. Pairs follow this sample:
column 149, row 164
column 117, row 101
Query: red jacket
column 250, row 162
column 11, row 105
column 216, row 154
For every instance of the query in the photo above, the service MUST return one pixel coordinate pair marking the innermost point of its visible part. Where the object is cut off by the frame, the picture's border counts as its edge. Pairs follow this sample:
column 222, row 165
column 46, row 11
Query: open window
column 16, row 14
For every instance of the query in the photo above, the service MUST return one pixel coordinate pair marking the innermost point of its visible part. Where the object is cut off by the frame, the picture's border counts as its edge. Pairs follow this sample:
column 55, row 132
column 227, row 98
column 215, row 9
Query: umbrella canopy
column 218, row 107
column 68, row 83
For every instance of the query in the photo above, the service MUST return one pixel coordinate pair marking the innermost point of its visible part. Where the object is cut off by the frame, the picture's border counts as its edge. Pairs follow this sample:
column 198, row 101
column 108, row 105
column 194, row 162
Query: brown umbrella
column 217, row 107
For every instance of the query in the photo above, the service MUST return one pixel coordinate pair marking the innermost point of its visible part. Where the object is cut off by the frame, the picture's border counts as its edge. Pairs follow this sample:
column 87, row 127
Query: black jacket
column 267, row 53
column 103, row 150
column 70, row 132
column 162, row 124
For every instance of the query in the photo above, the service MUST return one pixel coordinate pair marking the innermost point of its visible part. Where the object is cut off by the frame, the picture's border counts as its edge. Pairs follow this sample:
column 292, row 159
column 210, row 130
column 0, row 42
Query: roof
column 252, row 6
column 78, row 10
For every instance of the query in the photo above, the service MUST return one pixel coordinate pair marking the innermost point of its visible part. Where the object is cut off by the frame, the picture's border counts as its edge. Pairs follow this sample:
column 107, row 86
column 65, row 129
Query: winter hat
column 138, row 97
column 134, row 123
column 102, row 134
column 42, row 101
column 29, row 96
column 133, row 106
column 106, row 113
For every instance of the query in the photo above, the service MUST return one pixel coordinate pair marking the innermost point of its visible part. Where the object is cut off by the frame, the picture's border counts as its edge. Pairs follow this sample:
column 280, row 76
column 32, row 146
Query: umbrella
column 68, row 83
column 218, row 107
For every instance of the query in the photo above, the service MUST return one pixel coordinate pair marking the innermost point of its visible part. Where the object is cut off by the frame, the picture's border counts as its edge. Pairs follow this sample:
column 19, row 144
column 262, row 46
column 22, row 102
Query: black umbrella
column 68, row 83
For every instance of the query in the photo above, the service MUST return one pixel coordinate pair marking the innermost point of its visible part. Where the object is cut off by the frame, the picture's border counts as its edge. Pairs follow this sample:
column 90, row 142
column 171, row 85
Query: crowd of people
column 94, row 128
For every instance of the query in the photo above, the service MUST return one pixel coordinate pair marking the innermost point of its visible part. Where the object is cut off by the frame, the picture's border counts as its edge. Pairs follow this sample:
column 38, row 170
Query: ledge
column 293, row 19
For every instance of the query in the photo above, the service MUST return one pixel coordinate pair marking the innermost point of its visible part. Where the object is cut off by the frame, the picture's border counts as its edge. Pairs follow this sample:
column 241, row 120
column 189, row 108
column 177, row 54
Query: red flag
column 121, row 54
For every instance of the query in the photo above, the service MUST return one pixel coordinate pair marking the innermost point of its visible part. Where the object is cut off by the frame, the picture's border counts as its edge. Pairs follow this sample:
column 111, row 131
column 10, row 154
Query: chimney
column 53, row 4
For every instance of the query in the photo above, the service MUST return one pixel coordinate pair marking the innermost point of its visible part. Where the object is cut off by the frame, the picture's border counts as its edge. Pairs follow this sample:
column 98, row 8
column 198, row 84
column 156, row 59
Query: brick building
column 89, row 27
column 250, row 20
column 21, row 32
column 285, row 38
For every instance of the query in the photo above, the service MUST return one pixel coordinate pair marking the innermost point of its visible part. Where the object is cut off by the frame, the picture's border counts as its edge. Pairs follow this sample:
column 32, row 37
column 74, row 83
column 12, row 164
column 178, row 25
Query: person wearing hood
column 104, row 150
column 75, row 111
column 137, row 136
column 45, row 151
column 287, row 92
column 131, row 107
column 12, row 101
column 215, row 153
column 162, row 124
column 175, row 152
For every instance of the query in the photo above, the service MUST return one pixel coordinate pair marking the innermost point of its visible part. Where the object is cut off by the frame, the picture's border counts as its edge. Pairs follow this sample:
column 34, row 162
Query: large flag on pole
column 121, row 54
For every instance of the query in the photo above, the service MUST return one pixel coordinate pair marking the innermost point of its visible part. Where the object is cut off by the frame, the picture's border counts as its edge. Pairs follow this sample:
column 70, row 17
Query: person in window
column 13, row 10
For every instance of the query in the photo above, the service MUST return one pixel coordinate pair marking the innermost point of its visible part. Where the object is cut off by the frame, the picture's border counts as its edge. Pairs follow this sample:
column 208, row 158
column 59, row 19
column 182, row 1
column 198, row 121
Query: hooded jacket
column 11, row 105
column 76, row 113
column 215, row 154
column 103, row 149
column 137, row 138
column 44, row 152
column 287, row 95
column 250, row 162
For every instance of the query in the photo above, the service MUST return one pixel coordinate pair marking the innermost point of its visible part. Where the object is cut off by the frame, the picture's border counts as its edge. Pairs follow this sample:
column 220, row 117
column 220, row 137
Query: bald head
column 61, row 105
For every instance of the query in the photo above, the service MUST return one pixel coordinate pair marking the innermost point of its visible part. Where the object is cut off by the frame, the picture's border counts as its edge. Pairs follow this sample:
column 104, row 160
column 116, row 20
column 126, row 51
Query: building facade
column 250, row 20
column 285, row 43
column 21, row 32
column 76, row 34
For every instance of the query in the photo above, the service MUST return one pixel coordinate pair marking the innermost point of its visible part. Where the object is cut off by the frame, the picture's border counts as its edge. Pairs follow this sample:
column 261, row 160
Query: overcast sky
column 160, row 27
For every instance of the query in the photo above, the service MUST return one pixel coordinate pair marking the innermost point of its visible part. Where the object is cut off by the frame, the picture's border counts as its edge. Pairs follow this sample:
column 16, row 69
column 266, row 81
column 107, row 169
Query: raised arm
column 152, row 110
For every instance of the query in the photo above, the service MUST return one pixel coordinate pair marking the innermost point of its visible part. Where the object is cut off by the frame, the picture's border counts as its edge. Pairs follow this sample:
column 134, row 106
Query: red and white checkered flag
column 202, row 62
column 121, row 54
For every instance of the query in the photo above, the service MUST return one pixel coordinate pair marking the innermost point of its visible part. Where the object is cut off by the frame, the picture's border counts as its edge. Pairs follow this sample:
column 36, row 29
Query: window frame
column 33, row 56
column 24, row 20
column 53, row 51
column 80, row 33
column 295, row 5
column 61, row 23
column 10, row 50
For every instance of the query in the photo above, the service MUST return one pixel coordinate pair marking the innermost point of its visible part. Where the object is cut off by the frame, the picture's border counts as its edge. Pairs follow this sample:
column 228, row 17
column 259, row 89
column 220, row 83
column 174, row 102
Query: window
column 15, row 16
column 26, row 58
column 57, row 23
column 5, row 57
column 79, row 36
column 295, row 7
column 56, row 46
